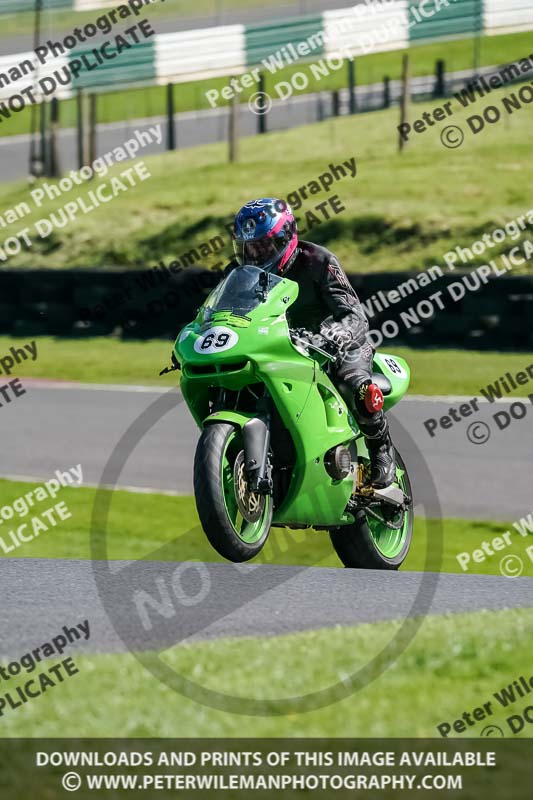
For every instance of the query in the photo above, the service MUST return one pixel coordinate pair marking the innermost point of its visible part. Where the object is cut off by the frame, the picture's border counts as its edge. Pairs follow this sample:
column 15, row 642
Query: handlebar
column 306, row 338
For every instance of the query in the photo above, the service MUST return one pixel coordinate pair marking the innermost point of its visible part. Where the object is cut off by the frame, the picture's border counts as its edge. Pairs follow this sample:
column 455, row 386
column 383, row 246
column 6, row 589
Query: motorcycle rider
column 265, row 235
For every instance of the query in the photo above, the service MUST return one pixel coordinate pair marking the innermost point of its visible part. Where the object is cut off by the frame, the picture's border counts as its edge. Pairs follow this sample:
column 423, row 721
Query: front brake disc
column 250, row 504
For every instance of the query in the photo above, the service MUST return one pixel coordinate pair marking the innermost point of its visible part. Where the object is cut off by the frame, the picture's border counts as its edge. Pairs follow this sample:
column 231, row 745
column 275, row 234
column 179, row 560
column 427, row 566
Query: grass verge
column 99, row 360
column 454, row 664
column 410, row 699
column 108, row 360
column 439, row 198
column 174, row 534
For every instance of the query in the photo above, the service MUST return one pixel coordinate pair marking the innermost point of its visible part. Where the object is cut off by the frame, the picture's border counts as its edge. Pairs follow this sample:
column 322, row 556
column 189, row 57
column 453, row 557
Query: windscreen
column 240, row 292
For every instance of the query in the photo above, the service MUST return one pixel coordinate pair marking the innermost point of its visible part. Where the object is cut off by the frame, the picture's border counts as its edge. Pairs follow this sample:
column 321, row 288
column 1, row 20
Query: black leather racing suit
column 325, row 299
column 327, row 302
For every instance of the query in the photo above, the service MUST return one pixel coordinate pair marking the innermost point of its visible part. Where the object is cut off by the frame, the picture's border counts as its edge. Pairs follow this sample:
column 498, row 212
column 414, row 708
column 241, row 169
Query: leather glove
column 339, row 335
column 349, row 332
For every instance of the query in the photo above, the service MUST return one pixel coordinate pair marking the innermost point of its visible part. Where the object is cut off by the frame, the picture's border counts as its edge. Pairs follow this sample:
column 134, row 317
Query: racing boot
column 380, row 449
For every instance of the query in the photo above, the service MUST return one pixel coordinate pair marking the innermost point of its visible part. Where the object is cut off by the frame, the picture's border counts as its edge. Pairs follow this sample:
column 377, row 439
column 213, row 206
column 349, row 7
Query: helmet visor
column 264, row 253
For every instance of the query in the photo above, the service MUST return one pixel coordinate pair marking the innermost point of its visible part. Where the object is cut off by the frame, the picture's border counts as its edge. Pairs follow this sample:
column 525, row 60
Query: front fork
column 256, row 435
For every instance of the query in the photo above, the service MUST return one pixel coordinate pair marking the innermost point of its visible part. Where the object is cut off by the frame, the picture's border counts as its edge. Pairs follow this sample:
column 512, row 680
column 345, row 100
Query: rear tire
column 235, row 538
column 366, row 545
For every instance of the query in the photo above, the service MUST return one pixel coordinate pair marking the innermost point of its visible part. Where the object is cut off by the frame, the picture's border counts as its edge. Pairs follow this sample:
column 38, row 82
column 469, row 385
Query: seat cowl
column 382, row 382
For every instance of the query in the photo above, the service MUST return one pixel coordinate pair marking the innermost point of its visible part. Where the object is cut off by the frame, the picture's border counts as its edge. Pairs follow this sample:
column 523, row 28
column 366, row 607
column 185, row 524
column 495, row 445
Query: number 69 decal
column 393, row 366
column 215, row 340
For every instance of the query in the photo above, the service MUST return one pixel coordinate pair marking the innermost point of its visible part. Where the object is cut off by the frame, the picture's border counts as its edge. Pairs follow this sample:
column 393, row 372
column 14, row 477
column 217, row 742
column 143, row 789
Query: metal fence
column 233, row 49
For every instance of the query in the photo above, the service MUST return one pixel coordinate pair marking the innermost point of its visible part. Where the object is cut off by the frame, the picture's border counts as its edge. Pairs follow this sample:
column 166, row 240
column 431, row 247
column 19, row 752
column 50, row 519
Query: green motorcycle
column 280, row 445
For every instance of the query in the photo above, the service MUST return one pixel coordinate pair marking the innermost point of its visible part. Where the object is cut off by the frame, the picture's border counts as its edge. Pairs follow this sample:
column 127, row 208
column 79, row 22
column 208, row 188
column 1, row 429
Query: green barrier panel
column 14, row 6
column 460, row 17
column 131, row 66
column 262, row 41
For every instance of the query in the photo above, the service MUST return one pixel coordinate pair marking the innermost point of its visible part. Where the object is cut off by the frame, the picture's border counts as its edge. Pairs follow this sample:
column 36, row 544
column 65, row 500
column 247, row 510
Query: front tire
column 367, row 544
column 218, row 477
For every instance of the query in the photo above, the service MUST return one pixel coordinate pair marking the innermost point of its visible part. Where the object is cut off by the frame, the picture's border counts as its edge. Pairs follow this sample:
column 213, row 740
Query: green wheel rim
column 248, row 532
column 390, row 543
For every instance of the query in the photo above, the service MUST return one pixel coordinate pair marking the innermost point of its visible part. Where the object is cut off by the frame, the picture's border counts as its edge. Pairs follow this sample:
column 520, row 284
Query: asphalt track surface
column 191, row 129
column 207, row 126
column 55, row 427
column 241, row 601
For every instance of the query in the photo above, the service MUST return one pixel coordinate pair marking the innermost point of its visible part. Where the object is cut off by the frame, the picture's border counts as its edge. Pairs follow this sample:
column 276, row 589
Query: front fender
column 256, row 441
column 238, row 418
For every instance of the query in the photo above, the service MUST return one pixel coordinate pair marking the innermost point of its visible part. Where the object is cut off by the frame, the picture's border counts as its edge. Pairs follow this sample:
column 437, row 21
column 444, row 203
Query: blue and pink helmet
column 265, row 235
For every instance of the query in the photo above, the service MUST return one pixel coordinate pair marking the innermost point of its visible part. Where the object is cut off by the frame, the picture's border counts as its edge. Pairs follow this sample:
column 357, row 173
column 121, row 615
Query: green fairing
column 257, row 349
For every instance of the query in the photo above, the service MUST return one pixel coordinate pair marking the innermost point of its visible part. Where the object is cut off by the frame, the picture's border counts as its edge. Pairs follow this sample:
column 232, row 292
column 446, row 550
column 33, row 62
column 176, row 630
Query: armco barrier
column 156, row 303
column 261, row 41
column 451, row 21
column 507, row 16
column 234, row 49
column 133, row 303
column 388, row 29
column 494, row 317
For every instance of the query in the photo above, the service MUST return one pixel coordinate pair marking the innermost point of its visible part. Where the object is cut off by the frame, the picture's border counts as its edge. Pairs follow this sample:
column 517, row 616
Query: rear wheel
column 235, row 520
column 371, row 543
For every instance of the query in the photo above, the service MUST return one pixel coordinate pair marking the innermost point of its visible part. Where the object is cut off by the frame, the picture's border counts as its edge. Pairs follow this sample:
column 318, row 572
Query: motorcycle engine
column 338, row 462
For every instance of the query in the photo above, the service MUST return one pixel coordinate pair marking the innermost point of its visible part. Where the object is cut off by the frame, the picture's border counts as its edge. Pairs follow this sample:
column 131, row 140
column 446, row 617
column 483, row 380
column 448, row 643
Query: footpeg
column 392, row 495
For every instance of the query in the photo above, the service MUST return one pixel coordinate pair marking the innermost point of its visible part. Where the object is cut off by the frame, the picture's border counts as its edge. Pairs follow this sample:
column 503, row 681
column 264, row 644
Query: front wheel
column 235, row 520
column 370, row 543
